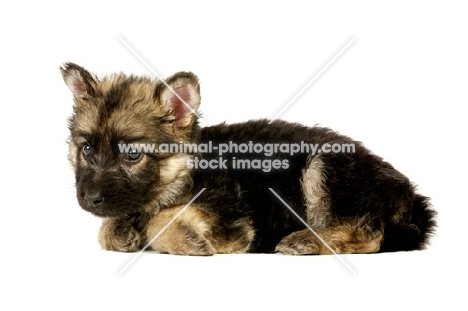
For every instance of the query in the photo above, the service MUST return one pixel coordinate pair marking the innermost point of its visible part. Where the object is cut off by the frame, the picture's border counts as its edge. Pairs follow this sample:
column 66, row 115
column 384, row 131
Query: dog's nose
column 94, row 198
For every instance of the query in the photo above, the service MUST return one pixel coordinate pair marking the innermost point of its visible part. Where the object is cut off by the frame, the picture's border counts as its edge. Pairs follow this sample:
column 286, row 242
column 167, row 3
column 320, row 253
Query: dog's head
column 113, row 117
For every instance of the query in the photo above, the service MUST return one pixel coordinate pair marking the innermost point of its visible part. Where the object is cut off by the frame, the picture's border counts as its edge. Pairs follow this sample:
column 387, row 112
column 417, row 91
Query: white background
column 399, row 87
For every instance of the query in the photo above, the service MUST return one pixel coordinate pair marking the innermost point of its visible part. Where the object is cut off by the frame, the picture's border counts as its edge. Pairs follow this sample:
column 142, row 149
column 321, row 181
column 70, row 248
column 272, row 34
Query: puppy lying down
column 144, row 165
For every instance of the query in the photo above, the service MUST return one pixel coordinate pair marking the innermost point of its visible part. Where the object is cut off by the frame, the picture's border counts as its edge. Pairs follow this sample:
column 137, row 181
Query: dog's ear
column 181, row 96
column 79, row 80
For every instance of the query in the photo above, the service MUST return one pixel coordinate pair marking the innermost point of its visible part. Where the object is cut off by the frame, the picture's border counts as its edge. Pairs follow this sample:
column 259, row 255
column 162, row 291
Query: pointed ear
column 181, row 98
column 79, row 80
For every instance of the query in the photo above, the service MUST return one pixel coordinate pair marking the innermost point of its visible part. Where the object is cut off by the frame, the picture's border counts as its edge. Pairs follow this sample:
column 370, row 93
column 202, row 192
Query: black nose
column 94, row 198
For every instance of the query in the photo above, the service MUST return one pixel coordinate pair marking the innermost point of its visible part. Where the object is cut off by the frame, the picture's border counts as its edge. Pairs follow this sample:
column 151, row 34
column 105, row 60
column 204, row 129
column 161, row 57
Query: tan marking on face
column 72, row 152
column 85, row 117
column 174, row 167
column 175, row 182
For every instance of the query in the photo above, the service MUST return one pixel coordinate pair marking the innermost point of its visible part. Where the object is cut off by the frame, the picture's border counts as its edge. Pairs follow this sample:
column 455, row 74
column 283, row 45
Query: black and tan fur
column 355, row 202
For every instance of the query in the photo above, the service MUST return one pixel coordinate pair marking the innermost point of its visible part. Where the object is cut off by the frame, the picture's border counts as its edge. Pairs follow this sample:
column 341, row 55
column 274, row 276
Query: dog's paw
column 299, row 243
column 119, row 236
column 194, row 248
column 197, row 245
column 181, row 240
column 191, row 244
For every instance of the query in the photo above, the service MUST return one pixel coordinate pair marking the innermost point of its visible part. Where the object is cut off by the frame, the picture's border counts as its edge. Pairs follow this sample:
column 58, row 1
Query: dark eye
column 133, row 155
column 86, row 150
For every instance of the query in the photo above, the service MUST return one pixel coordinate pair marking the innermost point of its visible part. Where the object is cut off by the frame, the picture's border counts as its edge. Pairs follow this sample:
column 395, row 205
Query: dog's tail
column 414, row 232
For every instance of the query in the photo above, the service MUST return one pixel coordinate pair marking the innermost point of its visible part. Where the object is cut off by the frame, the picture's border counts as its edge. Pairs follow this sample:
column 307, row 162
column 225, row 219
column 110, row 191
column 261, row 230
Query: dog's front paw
column 119, row 235
column 181, row 240
column 187, row 235
column 299, row 243
column 194, row 244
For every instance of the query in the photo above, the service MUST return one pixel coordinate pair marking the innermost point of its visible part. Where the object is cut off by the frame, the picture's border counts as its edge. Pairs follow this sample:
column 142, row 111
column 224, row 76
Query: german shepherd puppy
column 270, row 190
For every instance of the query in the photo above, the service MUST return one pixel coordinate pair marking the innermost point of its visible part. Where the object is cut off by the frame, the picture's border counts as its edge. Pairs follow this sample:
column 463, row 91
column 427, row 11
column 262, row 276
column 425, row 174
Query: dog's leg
column 123, row 234
column 343, row 239
column 189, row 234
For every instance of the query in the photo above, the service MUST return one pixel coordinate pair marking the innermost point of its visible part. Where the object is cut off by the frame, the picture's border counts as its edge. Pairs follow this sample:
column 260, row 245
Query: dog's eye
column 133, row 155
column 86, row 150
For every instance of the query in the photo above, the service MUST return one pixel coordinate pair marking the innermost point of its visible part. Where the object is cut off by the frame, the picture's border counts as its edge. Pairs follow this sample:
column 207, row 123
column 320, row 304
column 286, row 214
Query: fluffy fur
column 356, row 202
